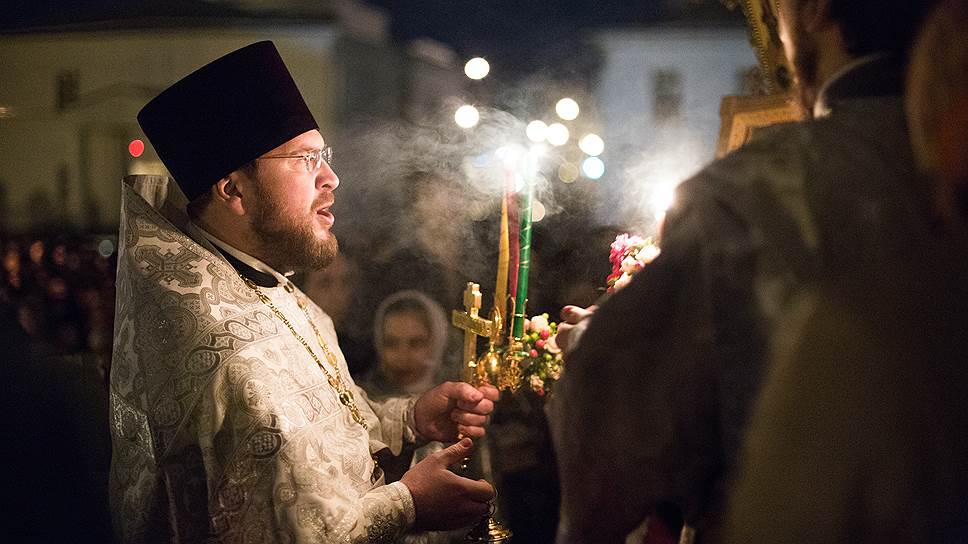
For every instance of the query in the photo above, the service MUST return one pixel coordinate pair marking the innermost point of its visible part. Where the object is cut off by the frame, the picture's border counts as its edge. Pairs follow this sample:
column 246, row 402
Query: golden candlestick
column 488, row 369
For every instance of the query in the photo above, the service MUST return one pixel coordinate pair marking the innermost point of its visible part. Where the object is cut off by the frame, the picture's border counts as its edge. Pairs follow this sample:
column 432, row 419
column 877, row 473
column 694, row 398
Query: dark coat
column 655, row 398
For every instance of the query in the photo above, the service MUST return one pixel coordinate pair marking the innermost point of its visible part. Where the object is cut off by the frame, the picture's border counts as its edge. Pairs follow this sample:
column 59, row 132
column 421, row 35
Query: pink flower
column 538, row 323
column 628, row 255
column 622, row 243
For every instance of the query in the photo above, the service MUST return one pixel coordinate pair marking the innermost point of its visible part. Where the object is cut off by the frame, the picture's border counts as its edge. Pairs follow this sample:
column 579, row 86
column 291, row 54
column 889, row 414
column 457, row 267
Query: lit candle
column 513, row 228
column 503, row 259
column 524, row 264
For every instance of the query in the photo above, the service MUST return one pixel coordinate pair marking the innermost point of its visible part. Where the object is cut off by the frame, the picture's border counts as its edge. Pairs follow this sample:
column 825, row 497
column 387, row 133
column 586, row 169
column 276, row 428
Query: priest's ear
column 227, row 192
column 224, row 197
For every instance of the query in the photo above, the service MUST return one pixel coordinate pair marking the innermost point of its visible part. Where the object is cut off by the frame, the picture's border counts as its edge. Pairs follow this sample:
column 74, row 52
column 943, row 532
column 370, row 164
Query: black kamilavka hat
column 225, row 114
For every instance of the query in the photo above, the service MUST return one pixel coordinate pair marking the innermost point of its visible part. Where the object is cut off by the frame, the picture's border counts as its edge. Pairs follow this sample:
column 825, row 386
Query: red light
column 136, row 148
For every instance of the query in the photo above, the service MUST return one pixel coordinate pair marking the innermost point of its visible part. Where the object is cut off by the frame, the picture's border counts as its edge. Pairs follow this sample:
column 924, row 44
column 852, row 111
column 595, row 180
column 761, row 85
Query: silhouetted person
column 861, row 432
column 656, row 395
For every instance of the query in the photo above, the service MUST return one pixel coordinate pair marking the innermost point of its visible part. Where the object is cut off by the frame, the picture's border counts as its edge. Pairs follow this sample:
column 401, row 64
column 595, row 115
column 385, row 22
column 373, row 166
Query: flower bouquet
column 628, row 255
column 541, row 366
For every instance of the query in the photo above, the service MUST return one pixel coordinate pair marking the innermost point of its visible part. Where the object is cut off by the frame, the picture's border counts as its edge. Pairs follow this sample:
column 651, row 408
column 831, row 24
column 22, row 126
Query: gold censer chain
column 336, row 382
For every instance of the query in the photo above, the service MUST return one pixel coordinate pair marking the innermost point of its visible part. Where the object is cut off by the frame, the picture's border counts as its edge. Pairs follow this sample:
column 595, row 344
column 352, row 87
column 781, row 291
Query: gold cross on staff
column 472, row 324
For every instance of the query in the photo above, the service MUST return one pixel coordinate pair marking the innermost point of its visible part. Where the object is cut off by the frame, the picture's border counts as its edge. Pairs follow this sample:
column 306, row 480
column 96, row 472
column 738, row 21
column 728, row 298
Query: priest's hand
column 442, row 499
column 574, row 319
column 454, row 409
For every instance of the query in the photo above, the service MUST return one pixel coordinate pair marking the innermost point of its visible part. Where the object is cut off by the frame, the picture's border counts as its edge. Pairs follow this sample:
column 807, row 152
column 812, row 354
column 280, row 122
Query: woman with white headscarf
column 411, row 336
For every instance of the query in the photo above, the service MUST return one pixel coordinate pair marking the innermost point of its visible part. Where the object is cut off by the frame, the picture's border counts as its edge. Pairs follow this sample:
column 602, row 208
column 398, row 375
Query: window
column 68, row 88
column 667, row 85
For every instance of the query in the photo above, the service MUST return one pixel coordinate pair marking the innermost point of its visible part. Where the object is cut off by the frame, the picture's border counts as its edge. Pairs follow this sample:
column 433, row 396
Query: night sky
column 467, row 25
column 525, row 39
column 519, row 37
column 472, row 27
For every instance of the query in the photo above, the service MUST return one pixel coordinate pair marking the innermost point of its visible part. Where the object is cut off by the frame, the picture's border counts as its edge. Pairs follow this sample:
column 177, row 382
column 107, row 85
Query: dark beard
column 286, row 243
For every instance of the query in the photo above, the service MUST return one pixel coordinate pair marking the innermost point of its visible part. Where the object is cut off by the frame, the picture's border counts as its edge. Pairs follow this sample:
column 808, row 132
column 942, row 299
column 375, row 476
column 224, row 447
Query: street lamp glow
column 558, row 134
column 591, row 144
column 593, row 168
column 567, row 109
column 467, row 116
column 537, row 131
column 477, row 68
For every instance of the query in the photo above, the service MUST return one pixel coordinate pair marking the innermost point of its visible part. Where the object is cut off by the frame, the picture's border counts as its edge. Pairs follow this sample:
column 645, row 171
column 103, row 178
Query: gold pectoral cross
column 473, row 326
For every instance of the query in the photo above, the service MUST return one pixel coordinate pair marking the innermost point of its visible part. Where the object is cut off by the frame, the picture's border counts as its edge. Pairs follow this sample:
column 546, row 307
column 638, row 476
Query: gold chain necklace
column 336, row 382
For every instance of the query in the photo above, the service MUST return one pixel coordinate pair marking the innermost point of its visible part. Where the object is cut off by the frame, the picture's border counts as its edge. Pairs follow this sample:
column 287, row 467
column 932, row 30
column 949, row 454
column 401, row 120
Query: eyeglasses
column 313, row 159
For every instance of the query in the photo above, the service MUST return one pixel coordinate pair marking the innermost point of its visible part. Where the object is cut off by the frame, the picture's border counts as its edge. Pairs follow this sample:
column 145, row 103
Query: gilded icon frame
column 741, row 115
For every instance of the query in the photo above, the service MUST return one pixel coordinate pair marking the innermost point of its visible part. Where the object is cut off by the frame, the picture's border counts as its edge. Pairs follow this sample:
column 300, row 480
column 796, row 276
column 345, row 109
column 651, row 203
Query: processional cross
column 473, row 326
column 479, row 372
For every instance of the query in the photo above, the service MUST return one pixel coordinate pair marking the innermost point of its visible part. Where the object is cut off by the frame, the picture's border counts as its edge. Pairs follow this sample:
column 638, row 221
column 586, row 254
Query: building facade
column 71, row 93
column 658, row 96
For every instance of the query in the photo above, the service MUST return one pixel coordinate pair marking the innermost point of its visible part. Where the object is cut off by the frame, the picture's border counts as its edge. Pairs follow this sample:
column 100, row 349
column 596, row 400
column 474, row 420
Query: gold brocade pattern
column 224, row 429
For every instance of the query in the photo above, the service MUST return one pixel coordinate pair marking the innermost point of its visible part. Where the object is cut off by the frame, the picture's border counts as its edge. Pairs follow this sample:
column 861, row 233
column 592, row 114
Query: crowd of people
column 56, row 316
column 788, row 369
column 62, row 290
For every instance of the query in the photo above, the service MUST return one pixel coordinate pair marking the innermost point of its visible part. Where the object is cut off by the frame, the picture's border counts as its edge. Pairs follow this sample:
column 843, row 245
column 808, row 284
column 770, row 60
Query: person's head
column 278, row 206
column 410, row 333
column 937, row 105
column 821, row 36
column 243, row 146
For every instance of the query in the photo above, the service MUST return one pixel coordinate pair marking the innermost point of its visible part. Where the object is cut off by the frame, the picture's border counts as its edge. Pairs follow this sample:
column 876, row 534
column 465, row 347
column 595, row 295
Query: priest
column 234, row 416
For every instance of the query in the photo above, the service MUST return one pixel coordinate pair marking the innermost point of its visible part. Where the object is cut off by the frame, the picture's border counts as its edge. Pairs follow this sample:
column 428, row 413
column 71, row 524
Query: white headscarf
column 436, row 322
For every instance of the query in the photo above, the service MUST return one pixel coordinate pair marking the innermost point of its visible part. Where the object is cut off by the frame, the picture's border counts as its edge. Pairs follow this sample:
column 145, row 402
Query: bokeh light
column 593, row 168
column 567, row 109
column 467, row 116
column 105, row 248
column 568, row 172
column 136, row 148
column 537, row 131
column 592, row 144
column 477, row 68
column 538, row 211
column 558, row 134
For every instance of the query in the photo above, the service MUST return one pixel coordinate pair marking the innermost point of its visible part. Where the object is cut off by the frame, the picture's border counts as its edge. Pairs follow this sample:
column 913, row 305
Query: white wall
column 118, row 73
column 643, row 157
